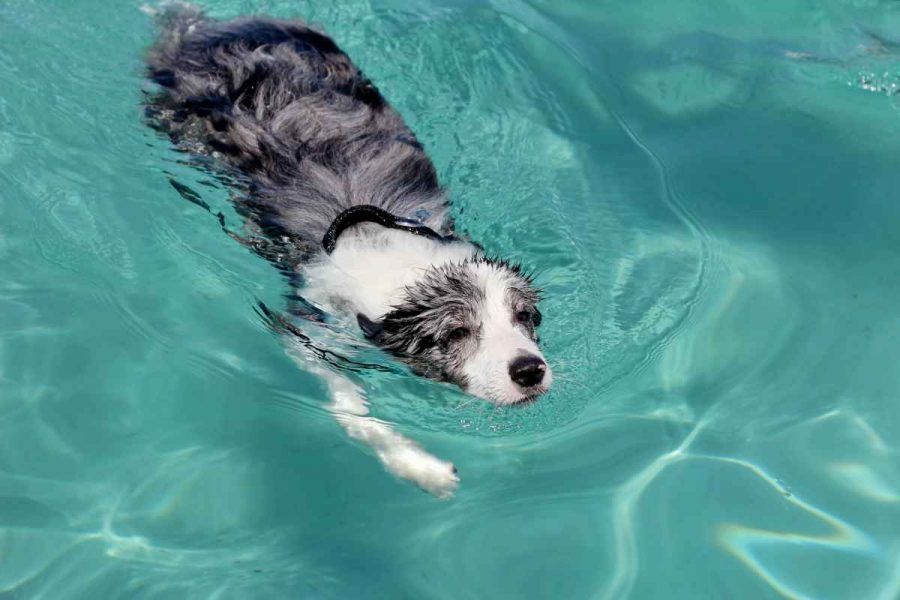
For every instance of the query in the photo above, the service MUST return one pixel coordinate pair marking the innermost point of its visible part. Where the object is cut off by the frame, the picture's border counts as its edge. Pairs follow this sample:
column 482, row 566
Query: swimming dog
column 344, row 195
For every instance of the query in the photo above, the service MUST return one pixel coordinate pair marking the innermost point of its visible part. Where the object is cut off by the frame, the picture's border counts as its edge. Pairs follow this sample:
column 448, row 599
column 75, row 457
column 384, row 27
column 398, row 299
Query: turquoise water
column 709, row 191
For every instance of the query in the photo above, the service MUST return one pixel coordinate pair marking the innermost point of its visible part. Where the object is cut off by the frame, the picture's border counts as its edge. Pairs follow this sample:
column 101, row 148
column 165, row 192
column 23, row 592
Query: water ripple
column 707, row 203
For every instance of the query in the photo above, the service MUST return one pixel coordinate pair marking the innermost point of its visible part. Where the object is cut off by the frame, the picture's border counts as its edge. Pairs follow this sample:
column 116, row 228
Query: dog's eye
column 460, row 333
column 524, row 317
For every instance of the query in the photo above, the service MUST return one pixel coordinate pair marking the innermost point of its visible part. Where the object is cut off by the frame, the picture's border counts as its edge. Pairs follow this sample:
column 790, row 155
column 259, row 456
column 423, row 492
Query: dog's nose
column 527, row 370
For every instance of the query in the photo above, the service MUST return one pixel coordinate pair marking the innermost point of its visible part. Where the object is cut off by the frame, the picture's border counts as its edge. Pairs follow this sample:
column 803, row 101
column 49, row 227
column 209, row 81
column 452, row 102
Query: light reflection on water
column 707, row 195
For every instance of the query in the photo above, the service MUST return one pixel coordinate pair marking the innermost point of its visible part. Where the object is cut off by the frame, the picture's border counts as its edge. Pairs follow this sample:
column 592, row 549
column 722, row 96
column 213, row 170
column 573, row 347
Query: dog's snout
column 527, row 370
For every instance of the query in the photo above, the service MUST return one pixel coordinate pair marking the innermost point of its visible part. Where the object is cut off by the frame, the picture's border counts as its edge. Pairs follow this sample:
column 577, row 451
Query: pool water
column 709, row 193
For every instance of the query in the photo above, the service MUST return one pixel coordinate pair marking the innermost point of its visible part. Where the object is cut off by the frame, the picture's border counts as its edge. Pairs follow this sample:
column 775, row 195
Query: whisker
column 466, row 403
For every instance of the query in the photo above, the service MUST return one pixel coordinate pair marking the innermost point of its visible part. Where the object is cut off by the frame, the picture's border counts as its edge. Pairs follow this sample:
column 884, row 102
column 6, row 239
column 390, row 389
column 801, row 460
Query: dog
column 344, row 196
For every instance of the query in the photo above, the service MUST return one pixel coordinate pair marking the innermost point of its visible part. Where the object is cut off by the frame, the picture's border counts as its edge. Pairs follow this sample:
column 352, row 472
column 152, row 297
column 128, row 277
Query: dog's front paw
column 437, row 477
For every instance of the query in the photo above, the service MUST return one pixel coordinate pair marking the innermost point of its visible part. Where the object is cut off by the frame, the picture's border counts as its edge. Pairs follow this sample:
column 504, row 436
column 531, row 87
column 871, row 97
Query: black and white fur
column 283, row 106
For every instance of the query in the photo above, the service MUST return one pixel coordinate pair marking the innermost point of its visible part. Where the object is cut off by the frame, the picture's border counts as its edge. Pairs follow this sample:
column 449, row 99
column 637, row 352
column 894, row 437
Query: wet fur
column 286, row 107
column 285, row 110
column 450, row 299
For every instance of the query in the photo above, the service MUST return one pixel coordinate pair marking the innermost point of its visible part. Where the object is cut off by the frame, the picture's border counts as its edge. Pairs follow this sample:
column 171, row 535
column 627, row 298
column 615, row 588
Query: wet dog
column 345, row 196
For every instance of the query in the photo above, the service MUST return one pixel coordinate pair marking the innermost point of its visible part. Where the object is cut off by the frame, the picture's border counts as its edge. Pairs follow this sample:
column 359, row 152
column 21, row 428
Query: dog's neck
column 370, row 266
column 367, row 213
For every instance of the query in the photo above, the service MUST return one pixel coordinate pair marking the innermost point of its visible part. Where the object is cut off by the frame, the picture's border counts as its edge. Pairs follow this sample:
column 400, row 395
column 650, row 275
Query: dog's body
column 339, row 182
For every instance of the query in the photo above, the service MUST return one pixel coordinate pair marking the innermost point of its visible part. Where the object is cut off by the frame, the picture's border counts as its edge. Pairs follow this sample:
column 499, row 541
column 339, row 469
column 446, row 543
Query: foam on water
column 707, row 195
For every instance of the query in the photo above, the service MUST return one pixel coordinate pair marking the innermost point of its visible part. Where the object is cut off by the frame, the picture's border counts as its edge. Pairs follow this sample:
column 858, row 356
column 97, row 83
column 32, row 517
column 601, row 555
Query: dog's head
column 472, row 323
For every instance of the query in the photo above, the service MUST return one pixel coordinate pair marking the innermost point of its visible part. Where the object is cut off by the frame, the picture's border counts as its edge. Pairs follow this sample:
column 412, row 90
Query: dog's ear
column 370, row 328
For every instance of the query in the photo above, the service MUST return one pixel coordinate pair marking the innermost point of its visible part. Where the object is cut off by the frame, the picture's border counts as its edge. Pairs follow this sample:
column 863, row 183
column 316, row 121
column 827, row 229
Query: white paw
column 437, row 477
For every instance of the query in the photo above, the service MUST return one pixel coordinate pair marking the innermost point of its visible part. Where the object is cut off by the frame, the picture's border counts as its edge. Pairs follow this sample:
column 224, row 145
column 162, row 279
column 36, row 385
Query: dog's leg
column 399, row 454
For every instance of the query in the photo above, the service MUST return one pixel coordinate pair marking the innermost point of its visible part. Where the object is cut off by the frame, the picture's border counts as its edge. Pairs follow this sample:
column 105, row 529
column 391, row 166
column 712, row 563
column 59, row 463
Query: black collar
column 366, row 213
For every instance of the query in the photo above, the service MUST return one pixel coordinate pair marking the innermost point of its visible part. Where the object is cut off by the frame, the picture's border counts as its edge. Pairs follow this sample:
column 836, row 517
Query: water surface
column 709, row 194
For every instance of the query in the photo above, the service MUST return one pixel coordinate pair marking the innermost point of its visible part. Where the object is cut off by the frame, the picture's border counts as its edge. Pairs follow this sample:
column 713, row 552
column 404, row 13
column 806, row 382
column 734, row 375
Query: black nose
column 527, row 370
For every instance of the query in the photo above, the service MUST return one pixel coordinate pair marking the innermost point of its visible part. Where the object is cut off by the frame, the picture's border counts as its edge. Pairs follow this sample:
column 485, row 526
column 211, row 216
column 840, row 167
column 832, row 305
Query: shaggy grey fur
column 437, row 326
column 286, row 107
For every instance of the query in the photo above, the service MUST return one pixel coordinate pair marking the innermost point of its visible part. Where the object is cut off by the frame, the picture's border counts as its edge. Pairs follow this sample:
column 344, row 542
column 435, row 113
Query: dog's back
column 284, row 105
